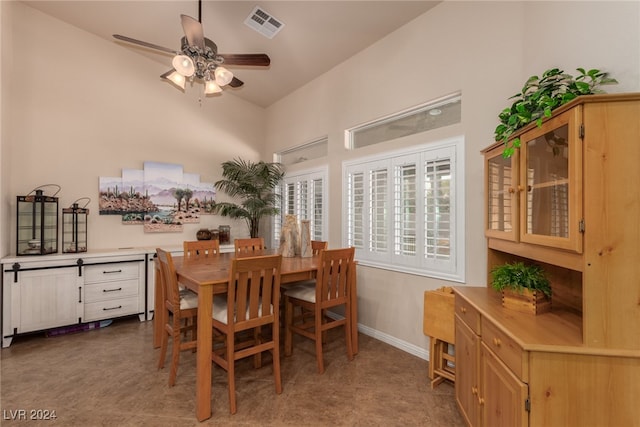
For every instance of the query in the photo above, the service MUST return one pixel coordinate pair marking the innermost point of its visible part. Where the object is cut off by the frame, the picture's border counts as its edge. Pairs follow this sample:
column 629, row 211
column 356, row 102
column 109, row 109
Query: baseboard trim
column 389, row 339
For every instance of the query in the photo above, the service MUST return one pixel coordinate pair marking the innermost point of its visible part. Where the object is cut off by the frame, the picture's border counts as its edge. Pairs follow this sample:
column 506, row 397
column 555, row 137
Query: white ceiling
column 317, row 35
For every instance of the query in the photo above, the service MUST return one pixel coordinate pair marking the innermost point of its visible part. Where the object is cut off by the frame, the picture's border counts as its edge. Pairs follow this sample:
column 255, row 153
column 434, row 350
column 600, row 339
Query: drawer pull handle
column 497, row 342
column 112, row 308
column 111, row 290
column 463, row 310
column 112, row 271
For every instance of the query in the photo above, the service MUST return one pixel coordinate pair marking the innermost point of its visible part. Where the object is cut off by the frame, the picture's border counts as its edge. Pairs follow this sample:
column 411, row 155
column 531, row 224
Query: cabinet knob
column 463, row 310
column 497, row 342
column 474, row 390
column 511, row 190
column 481, row 401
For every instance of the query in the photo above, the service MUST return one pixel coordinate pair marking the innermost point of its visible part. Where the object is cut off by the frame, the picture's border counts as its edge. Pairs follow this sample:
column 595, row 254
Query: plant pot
column 527, row 301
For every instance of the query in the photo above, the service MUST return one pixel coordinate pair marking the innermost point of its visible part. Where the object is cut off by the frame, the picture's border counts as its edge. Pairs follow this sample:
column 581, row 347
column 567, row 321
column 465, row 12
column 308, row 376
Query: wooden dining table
column 211, row 276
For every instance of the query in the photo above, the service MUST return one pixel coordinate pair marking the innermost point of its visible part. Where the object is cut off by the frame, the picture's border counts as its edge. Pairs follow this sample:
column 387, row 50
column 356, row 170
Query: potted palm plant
column 254, row 184
column 524, row 287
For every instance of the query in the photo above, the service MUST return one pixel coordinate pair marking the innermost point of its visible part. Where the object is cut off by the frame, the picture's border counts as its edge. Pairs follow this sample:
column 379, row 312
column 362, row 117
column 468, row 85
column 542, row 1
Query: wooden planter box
column 533, row 302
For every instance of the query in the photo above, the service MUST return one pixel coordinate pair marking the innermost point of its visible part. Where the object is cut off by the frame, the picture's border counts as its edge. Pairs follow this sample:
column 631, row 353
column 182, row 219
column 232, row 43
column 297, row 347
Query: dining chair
column 251, row 303
column 332, row 288
column 179, row 306
column 249, row 246
column 199, row 249
column 317, row 246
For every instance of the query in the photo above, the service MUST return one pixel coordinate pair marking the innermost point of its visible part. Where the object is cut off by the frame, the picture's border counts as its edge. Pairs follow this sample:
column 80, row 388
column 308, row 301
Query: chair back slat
column 249, row 247
column 254, row 290
column 198, row 249
column 333, row 279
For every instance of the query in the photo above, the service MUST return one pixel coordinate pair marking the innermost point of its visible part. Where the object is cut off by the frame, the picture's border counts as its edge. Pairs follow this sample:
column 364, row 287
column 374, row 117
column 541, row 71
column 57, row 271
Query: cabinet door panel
column 501, row 210
column 467, row 356
column 503, row 395
column 551, row 183
column 47, row 298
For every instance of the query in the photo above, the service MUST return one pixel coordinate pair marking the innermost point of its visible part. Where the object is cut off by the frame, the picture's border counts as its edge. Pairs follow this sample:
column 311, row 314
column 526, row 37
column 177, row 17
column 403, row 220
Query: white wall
column 81, row 107
column 486, row 50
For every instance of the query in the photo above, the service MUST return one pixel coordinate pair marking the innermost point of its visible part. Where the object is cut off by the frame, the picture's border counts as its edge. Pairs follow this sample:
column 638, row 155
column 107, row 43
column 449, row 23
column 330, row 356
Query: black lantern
column 74, row 228
column 37, row 223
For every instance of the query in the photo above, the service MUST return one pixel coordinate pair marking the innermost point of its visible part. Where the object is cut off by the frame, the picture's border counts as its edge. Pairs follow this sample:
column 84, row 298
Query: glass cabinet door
column 501, row 210
column 550, row 183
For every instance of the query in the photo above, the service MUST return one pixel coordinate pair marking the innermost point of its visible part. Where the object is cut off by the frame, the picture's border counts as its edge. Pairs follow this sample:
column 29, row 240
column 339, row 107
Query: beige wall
column 69, row 121
column 82, row 107
column 486, row 50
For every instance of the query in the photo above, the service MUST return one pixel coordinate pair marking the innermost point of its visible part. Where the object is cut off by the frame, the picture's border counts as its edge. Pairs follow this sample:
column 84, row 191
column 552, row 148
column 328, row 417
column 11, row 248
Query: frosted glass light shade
column 176, row 78
column 210, row 86
column 223, row 76
column 183, row 65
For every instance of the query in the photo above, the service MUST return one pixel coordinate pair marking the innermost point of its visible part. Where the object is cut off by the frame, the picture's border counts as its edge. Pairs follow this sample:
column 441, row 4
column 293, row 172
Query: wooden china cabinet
column 569, row 201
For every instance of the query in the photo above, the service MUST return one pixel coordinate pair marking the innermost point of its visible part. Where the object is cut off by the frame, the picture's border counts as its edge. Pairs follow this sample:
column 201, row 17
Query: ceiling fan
column 198, row 58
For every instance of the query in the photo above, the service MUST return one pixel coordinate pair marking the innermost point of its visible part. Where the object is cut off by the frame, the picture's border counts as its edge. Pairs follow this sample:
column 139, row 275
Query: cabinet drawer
column 110, row 290
column 468, row 314
column 112, row 308
column 504, row 347
column 111, row 272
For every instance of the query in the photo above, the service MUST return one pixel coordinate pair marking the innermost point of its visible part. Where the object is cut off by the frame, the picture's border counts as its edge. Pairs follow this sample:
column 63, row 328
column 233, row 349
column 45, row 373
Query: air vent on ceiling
column 263, row 22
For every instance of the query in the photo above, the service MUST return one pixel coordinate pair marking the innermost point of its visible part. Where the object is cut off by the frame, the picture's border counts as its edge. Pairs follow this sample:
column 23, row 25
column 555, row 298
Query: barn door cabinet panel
column 64, row 289
column 576, row 197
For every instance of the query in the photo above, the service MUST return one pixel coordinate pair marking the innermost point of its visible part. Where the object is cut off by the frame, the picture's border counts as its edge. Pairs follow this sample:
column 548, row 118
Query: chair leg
column 318, row 338
column 288, row 321
column 347, row 332
column 164, row 342
column 174, row 359
column 231, row 378
column 276, row 358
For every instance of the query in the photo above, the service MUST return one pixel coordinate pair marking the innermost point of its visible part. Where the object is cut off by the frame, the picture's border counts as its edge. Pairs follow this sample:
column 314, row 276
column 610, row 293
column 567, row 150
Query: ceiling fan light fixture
column 211, row 87
column 183, row 65
column 223, row 76
column 176, row 78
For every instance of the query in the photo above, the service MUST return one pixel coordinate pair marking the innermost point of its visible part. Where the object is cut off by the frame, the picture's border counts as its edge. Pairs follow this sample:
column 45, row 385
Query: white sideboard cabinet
column 44, row 292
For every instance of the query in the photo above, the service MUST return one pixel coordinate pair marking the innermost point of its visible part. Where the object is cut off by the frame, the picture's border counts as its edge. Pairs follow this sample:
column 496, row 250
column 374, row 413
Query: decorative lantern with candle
column 37, row 224
column 74, row 227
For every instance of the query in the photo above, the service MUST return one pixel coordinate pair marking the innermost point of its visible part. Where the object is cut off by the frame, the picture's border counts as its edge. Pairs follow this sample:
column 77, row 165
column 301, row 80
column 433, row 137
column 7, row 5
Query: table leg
column 354, row 311
column 203, row 360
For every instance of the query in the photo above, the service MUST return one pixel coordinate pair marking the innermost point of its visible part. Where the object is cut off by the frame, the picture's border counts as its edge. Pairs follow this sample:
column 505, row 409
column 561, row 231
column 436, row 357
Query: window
column 405, row 210
column 301, row 153
column 434, row 114
column 304, row 195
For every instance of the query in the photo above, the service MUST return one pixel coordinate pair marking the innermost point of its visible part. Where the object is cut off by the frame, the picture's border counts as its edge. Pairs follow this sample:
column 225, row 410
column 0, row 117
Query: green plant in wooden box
column 541, row 95
column 524, row 287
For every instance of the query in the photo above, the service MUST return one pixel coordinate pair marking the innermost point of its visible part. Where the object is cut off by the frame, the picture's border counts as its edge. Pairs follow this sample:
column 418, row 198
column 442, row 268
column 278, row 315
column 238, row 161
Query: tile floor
column 108, row 377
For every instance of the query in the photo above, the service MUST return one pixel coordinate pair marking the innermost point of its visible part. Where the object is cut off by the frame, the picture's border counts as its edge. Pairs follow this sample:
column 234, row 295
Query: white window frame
column 452, row 268
column 308, row 176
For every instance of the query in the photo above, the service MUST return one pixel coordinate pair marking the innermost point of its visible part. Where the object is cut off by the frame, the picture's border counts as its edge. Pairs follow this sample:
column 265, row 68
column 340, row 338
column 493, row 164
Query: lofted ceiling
column 316, row 36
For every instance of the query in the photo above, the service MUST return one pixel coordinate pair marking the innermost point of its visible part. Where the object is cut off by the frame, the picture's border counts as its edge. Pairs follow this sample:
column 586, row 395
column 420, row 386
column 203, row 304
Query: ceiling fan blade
column 236, row 82
column 257, row 59
column 145, row 44
column 193, row 30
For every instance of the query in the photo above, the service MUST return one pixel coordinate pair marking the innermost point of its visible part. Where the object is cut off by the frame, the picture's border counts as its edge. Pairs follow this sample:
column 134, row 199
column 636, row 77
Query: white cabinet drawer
column 111, row 308
column 111, row 272
column 110, row 290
